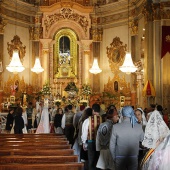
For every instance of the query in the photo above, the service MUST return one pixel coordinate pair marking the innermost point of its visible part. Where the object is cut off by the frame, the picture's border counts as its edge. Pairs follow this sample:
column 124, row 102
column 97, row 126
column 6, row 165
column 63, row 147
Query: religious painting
column 115, row 53
column 12, row 99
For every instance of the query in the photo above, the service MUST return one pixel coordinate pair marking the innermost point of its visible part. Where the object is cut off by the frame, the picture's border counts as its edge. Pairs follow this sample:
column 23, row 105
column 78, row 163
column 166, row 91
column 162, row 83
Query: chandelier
column 128, row 66
column 15, row 65
column 95, row 67
column 37, row 66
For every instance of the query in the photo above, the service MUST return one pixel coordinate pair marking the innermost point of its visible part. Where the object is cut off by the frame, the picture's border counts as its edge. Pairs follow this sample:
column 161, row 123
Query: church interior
column 75, row 51
column 56, row 54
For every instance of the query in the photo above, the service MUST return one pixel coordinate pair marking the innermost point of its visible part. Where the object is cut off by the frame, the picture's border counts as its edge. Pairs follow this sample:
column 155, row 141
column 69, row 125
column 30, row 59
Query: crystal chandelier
column 128, row 66
column 15, row 65
column 95, row 67
column 37, row 66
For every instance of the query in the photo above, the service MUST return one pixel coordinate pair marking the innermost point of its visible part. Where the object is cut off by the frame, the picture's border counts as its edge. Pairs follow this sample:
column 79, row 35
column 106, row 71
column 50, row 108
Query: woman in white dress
column 155, row 132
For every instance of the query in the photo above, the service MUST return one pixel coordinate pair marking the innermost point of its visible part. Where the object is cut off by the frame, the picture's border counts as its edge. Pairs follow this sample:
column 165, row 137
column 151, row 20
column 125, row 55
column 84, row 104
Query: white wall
column 9, row 34
column 108, row 36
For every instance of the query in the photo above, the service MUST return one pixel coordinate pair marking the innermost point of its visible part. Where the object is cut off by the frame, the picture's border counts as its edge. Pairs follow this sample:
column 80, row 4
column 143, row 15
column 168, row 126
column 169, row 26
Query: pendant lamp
column 128, row 66
column 37, row 66
column 95, row 67
column 15, row 65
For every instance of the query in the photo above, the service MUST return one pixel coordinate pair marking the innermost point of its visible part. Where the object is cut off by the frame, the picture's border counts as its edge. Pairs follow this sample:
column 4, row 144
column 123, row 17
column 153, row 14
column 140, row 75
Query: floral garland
column 86, row 89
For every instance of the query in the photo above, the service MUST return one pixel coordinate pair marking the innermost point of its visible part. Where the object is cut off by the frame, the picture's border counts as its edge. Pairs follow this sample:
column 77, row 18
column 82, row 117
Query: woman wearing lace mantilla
column 155, row 132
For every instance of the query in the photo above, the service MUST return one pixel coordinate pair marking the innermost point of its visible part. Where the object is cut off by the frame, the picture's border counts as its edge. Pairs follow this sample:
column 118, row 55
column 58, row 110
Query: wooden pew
column 37, row 142
column 35, row 152
column 38, row 159
column 36, row 147
column 33, row 139
column 64, row 166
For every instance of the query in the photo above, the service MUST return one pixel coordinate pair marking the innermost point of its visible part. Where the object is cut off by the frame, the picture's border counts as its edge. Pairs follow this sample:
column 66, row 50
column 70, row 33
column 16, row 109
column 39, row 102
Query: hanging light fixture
column 95, row 67
column 37, row 66
column 15, row 65
column 128, row 66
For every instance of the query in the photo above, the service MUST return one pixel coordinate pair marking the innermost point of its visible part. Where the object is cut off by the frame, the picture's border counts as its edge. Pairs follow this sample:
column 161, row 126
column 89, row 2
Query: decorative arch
column 65, row 24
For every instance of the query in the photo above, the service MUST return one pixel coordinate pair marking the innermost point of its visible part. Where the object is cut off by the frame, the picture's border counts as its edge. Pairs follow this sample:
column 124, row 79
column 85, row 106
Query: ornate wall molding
column 148, row 11
column 66, row 14
column 115, row 54
column 16, row 44
column 3, row 23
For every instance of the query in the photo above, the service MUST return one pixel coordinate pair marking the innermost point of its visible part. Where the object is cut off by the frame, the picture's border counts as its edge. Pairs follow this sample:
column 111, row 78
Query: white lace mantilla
column 156, row 130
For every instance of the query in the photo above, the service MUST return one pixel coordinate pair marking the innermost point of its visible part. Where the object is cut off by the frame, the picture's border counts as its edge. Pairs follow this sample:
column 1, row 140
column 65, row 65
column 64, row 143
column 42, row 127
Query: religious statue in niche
column 64, row 51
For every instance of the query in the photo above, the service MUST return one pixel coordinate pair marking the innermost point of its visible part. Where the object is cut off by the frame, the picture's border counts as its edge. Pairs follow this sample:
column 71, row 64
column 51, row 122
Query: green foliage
column 46, row 89
column 86, row 89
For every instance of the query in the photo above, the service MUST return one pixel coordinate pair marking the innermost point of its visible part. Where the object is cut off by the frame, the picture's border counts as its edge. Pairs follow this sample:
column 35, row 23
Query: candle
column 56, row 88
column 60, row 89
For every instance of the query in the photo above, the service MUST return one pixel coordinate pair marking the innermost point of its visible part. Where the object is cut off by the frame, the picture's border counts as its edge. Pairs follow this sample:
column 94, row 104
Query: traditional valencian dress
column 105, row 160
column 155, row 132
column 44, row 125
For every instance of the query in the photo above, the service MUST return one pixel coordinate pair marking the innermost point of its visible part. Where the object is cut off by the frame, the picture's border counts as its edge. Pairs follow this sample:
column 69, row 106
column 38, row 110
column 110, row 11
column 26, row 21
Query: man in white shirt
column 89, row 131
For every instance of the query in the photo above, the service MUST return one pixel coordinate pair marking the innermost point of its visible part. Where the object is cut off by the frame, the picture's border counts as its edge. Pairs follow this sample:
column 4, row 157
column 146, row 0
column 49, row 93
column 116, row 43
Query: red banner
column 165, row 40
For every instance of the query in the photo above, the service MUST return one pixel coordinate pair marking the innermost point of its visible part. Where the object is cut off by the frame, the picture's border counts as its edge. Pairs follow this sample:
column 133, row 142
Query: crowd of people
column 125, row 139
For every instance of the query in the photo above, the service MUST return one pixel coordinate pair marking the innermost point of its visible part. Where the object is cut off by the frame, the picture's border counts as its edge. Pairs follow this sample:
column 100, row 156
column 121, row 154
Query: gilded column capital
column 148, row 11
column 86, row 44
column 45, row 44
column 156, row 7
column 134, row 27
column 3, row 23
column 164, row 10
column 97, row 34
column 35, row 33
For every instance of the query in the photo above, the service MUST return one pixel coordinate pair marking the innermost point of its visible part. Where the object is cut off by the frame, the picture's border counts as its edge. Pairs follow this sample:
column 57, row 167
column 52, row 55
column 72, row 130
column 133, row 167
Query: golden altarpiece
column 63, row 37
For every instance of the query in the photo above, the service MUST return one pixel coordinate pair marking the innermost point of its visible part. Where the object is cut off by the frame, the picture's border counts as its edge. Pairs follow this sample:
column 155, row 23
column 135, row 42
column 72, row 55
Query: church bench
column 37, row 159
column 31, row 146
column 32, row 135
column 39, row 142
column 35, row 152
column 33, row 139
column 64, row 166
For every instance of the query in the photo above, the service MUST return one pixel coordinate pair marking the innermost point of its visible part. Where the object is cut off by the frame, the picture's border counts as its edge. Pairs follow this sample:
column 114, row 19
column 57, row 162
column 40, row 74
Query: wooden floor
column 37, row 151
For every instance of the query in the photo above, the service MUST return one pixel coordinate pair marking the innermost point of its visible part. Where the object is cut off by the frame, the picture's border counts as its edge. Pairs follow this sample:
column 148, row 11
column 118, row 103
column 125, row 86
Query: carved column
column 3, row 23
column 157, row 52
column 45, row 57
column 85, row 60
column 148, row 54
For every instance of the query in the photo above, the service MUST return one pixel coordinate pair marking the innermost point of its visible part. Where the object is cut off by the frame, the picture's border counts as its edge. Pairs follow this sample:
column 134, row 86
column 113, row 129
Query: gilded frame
column 66, row 71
